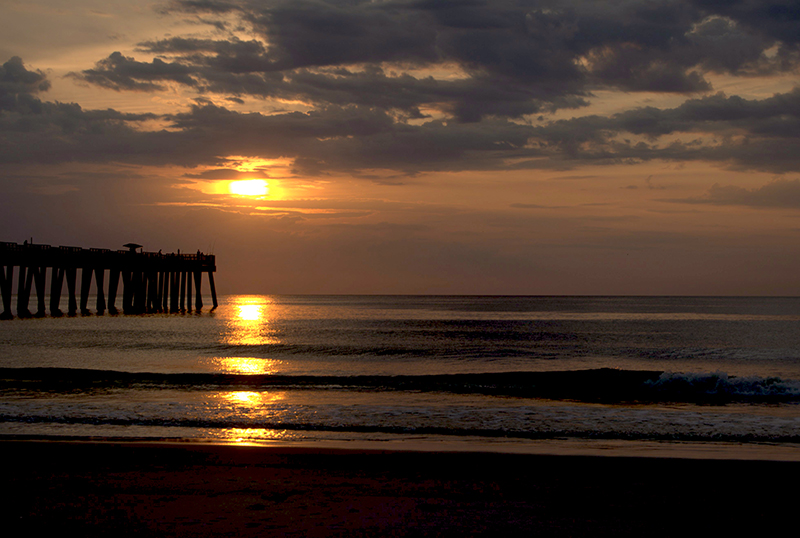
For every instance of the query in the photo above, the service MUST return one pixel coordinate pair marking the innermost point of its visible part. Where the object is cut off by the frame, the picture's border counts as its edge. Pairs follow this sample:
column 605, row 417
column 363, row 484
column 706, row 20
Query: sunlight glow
column 250, row 187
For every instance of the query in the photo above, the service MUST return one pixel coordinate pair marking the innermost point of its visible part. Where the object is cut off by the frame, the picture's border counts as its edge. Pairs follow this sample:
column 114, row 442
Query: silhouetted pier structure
column 151, row 281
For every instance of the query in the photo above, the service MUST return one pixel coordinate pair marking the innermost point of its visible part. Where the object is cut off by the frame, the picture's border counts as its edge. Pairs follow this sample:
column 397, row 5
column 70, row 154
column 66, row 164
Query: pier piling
column 72, row 302
column 6, row 281
column 113, row 282
column 24, row 292
column 198, row 300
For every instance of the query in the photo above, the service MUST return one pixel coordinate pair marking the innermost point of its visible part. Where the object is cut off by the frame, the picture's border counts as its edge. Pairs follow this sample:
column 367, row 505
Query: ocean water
column 556, row 374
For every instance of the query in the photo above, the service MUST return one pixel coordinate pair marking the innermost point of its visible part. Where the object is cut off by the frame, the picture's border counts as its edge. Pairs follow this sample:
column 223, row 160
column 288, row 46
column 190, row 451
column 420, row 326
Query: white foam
column 721, row 383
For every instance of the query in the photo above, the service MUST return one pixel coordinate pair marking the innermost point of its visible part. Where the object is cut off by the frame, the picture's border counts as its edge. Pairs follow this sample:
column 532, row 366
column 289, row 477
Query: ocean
column 709, row 376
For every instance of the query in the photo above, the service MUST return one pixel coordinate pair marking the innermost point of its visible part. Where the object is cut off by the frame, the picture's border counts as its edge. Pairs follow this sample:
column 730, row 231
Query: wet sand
column 149, row 489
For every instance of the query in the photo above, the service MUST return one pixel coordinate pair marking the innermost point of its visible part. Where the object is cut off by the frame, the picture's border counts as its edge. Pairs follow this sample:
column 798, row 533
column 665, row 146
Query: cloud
column 514, row 58
column 330, row 139
column 119, row 72
column 723, row 45
column 17, row 84
column 306, row 33
column 227, row 174
column 345, row 92
column 781, row 193
column 739, row 133
column 392, row 89
column 535, row 206
column 735, row 132
column 774, row 116
column 652, row 186
column 776, row 19
column 467, row 99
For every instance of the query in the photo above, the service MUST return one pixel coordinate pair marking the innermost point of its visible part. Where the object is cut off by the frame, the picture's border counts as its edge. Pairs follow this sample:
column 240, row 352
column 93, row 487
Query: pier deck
column 151, row 281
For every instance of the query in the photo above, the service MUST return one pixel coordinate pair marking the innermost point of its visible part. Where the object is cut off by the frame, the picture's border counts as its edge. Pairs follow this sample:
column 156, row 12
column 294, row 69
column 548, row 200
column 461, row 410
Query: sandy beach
column 152, row 489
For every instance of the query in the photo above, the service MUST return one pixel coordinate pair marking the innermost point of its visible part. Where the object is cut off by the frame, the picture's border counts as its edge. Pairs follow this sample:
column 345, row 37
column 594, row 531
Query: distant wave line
column 409, row 430
column 603, row 385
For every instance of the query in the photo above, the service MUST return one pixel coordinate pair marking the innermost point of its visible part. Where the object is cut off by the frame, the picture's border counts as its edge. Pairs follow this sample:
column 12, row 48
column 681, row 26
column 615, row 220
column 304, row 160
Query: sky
column 528, row 147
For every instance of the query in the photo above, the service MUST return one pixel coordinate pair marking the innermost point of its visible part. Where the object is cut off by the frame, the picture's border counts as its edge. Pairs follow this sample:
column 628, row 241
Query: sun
column 250, row 187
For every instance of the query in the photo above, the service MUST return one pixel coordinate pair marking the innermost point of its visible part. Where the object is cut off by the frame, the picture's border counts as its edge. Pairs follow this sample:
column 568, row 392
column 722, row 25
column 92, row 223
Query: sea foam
column 721, row 385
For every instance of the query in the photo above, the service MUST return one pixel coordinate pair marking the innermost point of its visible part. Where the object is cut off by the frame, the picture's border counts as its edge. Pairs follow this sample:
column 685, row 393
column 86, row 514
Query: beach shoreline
column 200, row 489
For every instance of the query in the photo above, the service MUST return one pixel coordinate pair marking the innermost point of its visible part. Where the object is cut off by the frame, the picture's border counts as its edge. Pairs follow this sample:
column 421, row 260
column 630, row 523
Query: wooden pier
column 151, row 281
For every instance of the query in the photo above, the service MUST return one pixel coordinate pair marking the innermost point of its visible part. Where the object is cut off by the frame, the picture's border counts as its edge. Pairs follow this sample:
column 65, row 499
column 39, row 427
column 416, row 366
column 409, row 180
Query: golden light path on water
column 249, row 325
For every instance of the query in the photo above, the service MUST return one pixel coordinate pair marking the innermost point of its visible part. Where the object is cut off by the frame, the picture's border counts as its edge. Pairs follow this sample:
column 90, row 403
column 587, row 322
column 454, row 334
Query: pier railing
column 152, row 281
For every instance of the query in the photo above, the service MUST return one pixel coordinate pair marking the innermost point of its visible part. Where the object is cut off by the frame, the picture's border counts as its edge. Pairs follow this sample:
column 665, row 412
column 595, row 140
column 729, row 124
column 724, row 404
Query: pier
column 151, row 281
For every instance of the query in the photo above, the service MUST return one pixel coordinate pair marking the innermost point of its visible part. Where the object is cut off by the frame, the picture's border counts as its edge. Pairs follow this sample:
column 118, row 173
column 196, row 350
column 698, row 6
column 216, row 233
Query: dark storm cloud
column 519, row 57
column 721, row 45
column 306, row 33
column 775, row 116
column 328, row 139
column 34, row 131
column 236, row 68
column 119, row 72
column 777, row 19
column 234, row 55
column 17, row 83
column 360, row 115
column 465, row 99
column 353, row 138
column 744, row 134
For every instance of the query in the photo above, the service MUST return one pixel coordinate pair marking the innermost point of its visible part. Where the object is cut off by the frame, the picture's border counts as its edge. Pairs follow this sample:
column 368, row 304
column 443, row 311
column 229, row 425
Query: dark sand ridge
column 146, row 489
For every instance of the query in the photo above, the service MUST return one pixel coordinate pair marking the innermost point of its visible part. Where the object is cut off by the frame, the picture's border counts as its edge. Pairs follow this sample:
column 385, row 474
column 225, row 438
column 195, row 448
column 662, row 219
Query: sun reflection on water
column 252, row 404
column 251, row 322
column 252, row 399
column 250, row 312
column 255, row 436
column 245, row 365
